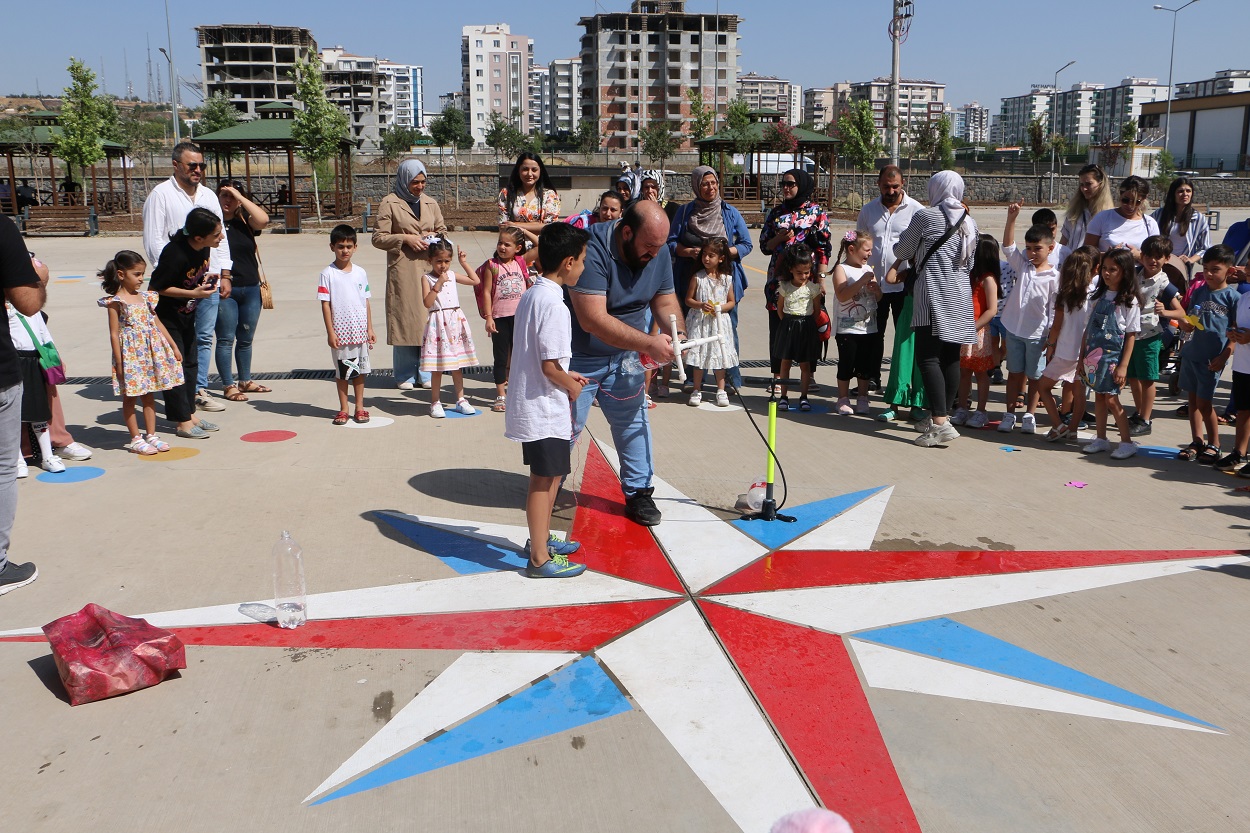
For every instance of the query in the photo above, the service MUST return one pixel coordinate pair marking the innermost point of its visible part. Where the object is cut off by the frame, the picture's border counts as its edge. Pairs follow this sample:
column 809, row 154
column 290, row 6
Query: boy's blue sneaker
column 557, row 545
column 558, row 567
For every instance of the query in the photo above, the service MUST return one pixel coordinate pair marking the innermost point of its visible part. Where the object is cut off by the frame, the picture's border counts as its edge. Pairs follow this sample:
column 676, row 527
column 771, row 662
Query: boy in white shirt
column 541, row 391
column 1240, row 336
column 1027, row 315
column 343, row 290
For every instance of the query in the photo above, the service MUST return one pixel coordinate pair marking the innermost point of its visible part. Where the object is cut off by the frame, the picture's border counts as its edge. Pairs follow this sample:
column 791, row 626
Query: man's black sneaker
column 1136, row 418
column 14, row 576
column 1139, row 428
column 1231, row 462
column 641, row 509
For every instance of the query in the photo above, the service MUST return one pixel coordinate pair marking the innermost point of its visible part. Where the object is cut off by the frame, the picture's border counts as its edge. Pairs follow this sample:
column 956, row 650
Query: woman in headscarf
column 628, row 186
column 940, row 240
column 796, row 221
column 406, row 216
column 705, row 217
column 651, row 187
column 528, row 201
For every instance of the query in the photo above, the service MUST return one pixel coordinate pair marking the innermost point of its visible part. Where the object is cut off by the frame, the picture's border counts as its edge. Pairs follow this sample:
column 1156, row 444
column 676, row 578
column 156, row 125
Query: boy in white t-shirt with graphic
column 343, row 290
column 1027, row 315
column 541, row 391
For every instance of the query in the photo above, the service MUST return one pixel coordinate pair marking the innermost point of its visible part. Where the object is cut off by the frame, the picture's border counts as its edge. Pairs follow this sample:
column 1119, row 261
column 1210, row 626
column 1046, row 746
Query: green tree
column 21, row 130
column 779, row 138
column 701, row 116
column 1165, row 170
column 320, row 126
column 81, row 141
column 1039, row 148
column 658, row 142
column 861, row 143
column 738, row 126
column 944, row 150
column 217, row 114
column 503, row 137
column 397, row 143
column 449, row 130
column 586, row 138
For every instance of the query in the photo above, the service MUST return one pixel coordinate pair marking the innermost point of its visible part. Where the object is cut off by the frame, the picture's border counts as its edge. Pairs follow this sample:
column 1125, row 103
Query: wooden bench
column 38, row 221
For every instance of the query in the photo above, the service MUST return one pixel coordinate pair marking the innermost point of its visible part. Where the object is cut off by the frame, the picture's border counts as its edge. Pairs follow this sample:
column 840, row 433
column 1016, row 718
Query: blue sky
column 982, row 49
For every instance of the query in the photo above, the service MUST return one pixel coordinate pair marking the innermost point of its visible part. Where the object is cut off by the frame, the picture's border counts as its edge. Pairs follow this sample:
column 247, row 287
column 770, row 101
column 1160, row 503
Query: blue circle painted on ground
column 817, row 408
column 76, row 474
column 452, row 413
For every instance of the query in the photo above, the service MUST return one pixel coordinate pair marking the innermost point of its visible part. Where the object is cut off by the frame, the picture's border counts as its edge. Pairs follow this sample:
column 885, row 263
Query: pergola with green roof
column 271, row 133
column 749, row 188
column 39, row 139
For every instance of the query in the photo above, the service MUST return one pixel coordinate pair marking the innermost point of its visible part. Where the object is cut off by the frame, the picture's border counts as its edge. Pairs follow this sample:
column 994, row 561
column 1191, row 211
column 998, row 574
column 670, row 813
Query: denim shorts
column 1026, row 355
column 1198, row 379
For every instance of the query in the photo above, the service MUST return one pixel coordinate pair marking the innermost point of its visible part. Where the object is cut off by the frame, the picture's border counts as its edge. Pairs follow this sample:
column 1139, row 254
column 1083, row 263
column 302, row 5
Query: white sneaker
column 695, row 399
column 53, row 464
column 1123, row 451
column 1098, row 445
column 960, row 417
column 937, row 435
column 861, row 405
column 74, row 451
column 1028, row 424
column 206, row 403
column 405, row 386
column 23, row 470
column 722, row 399
column 464, row 407
column 925, row 425
column 436, row 410
column 1007, row 423
column 978, row 420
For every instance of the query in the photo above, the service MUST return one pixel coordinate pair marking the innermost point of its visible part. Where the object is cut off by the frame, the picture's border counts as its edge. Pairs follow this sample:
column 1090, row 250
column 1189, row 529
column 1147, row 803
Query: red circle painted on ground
column 268, row 436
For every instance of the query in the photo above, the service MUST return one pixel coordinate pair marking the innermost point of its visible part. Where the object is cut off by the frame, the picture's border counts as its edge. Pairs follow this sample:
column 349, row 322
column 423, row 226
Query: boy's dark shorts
column 1241, row 391
column 550, row 457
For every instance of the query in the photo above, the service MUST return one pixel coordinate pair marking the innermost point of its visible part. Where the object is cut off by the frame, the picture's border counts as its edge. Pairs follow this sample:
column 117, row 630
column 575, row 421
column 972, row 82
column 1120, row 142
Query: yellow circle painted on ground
column 175, row 453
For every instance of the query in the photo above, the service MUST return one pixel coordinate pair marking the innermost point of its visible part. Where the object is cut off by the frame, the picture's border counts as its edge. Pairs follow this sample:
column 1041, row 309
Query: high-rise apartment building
column 1017, row 112
column 1074, row 112
column 637, row 66
column 563, row 77
column 919, row 102
column 403, row 91
column 765, row 92
column 495, row 67
column 1226, row 81
column 1122, row 103
column 823, row 105
column 540, row 99
column 251, row 64
column 355, row 85
column 971, row 123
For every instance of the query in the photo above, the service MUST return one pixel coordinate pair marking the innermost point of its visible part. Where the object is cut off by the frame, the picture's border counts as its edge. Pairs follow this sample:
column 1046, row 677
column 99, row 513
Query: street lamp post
column 1167, row 127
column 173, row 95
column 1054, row 124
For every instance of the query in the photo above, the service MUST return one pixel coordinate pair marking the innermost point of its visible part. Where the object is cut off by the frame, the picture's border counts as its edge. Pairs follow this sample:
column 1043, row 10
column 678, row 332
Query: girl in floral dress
column 448, row 344
column 145, row 359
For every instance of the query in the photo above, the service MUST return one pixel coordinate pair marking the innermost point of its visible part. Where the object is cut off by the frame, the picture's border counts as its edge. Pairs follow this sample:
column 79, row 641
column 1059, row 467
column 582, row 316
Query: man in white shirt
column 886, row 217
column 164, row 212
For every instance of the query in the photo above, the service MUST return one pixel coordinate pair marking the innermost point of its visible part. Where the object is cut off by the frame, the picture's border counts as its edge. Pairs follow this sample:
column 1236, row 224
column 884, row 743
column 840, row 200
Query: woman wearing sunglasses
column 1126, row 226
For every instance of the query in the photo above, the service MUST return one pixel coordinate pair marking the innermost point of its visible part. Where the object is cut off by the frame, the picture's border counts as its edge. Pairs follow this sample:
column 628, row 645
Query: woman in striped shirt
column 942, row 316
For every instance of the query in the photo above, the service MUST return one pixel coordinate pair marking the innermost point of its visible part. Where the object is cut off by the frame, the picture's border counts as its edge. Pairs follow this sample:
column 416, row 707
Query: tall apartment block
column 1015, row 114
column 495, row 67
column 1123, row 102
column 971, row 123
column 636, row 67
column 403, row 90
column 540, row 99
column 354, row 84
column 919, row 102
column 765, row 92
column 823, row 105
column 1226, row 81
column 251, row 64
column 1074, row 112
column 564, row 108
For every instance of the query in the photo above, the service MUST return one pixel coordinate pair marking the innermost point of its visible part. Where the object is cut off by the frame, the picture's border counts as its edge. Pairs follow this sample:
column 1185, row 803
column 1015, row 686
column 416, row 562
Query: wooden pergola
column 268, row 134
column 751, row 189
column 37, row 140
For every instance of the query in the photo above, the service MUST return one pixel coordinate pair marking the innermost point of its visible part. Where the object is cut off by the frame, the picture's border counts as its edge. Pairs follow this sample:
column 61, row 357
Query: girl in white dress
column 710, row 292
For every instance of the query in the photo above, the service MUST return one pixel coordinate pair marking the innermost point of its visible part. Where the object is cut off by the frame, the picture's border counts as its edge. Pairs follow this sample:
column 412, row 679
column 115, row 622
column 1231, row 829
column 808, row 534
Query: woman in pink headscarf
column 940, row 241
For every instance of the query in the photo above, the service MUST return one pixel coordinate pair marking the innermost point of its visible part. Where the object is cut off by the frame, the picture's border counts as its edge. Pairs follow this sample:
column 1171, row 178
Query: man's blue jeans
column 205, row 329
column 623, row 402
column 407, row 364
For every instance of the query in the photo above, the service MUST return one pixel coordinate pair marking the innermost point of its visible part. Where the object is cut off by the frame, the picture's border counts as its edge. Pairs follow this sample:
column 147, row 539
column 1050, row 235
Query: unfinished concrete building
column 251, row 64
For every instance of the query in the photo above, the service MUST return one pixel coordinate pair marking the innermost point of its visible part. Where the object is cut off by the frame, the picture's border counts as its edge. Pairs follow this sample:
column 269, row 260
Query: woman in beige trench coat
column 405, row 217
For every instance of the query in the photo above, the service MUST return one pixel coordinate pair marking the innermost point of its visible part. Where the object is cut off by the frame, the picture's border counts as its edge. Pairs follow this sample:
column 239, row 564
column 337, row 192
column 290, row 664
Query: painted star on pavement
column 736, row 640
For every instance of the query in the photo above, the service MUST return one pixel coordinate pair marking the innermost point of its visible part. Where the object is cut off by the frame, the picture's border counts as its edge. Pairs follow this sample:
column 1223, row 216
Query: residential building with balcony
column 495, row 67
column 252, row 64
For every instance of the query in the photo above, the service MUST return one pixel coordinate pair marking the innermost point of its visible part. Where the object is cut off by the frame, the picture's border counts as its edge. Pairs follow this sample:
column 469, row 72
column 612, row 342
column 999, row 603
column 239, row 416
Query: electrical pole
column 173, row 78
column 900, row 23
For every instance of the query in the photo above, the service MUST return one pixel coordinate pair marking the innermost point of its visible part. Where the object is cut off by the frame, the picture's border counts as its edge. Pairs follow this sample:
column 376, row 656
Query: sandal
column 253, row 387
column 501, row 404
column 237, row 396
column 1189, row 452
column 804, row 405
column 1020, row 403
column 138, row 445
column 362, row 416
column 340, row 418
column 1209, row 455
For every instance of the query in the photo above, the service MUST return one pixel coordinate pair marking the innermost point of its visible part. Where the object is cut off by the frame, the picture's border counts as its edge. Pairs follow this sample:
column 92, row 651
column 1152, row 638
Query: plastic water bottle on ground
column 289, row 594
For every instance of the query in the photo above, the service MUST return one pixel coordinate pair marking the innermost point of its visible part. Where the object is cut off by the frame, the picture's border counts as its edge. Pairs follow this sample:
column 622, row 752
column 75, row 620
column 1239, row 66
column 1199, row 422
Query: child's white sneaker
column 722, row 399
column 960, row 417
column 1007, row 423
column 436, row 410
column 861, row 405
column 464, row 407
column 978, row 420
column 696, row 399
column 1099, row 444
column 1028, row 424
column 1123, row 451
column 53, row 464
column 843, row 407
column 23, row 470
